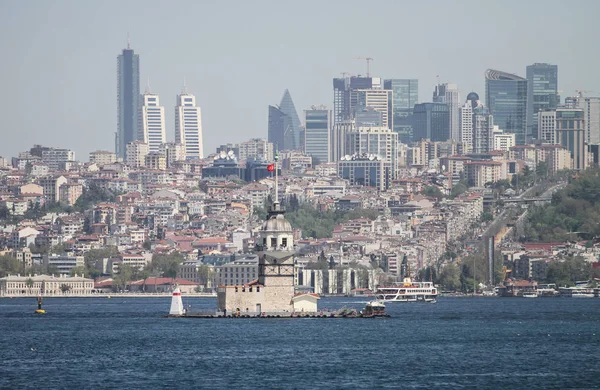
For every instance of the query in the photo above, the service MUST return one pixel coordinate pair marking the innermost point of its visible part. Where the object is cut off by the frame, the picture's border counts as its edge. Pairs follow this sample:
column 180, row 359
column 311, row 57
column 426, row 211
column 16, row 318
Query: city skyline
column 80, row 56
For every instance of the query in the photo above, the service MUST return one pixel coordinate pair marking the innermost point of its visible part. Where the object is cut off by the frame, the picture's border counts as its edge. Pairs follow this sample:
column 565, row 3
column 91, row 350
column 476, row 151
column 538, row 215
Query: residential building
column 591, row 115
column 155, row 160
column 483, row 130
column 173, row 152
column 284, row 125
column 68, row 193
column 102, row 157
column 188, row 125
column 431, row 121
column 55, row 159
column 63, row 263
column 405, row 94
column 547, row 126
column 448, row 94
column 51, row 185
column 152, row 122
column 317, row 133
column 256, row 149
column 479, row 173
column 503, row 141
column 542, row 94
column 506, row 98
column 136, row 154
column 128, row 95
column 239, row 272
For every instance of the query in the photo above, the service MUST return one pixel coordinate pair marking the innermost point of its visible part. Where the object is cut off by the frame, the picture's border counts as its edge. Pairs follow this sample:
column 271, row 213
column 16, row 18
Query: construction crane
column 368, row 59
column 580, row 92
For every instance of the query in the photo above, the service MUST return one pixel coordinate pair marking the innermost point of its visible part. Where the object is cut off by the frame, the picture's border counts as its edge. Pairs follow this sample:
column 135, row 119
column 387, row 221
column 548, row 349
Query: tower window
column 284, row 242
column 273, row 242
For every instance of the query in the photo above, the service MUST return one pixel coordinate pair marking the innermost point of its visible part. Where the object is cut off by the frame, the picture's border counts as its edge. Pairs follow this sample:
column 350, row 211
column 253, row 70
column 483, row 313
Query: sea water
column 125, row 343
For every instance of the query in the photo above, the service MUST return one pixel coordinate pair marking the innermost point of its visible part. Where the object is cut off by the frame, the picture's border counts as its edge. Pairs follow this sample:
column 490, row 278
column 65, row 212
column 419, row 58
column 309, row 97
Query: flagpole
column 276, row 181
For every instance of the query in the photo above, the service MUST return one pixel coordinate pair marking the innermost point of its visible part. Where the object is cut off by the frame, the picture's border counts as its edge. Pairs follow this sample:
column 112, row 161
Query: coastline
column 116, row 295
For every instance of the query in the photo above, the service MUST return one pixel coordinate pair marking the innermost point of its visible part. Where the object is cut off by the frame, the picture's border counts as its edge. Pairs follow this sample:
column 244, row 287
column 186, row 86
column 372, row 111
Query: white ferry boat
column 407, row 291
column 576, row 292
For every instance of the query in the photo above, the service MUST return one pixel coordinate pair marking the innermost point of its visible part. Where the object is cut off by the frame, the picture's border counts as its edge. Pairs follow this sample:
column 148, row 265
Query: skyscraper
column 483, row 130
column 506, row 98
column 375, row 141
column 570, row 133
column 128, row 95
column 431, row 121
column 188, row 125
column 405, row 94
column 317, row 134
column 542, row 94
column 377, row 99
column 345, row 97
column 152, row 122
column 284, row 130
column 448, row 94
column 466, row 122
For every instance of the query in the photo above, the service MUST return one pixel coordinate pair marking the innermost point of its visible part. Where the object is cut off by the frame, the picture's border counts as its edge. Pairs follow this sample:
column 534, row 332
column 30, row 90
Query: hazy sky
column 58, row 64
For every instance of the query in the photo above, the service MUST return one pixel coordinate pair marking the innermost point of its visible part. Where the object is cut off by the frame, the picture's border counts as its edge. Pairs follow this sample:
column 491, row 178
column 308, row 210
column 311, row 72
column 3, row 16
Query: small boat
column 39, row 310
column 374, row 309
column 530, row 294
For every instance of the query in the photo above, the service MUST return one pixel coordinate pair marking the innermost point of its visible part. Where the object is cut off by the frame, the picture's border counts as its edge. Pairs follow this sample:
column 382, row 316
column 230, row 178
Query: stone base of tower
column 255, row 299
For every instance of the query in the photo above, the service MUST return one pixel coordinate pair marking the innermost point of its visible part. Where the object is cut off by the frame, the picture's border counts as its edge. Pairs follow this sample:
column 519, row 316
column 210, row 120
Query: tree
column 433, row 192
column 450, row 277
column 166, row 265
column 122, row 278
column 457, row 190
column 80, row 270
column 64, row 288
column 9, row 265
column 29, row 283
column 147, row 245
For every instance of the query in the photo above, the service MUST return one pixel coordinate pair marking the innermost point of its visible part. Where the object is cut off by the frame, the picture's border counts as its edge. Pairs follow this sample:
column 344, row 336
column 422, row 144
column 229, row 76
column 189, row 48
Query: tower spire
column 184, row 90
column 148, row 85
column 128, row 41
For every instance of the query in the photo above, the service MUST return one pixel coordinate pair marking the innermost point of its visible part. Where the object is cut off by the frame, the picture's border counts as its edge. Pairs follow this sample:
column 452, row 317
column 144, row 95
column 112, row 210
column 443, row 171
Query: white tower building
column 188, row 125
column 152, row 122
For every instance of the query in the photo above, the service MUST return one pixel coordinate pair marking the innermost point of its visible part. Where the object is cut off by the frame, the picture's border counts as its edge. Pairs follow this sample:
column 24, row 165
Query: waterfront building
column 431, row 121
column 188, row 125
column 570, row 133
column 542, row 94
column 317, row 122
column 102, row 157
column 405, row 94
column 241, row 271
column 369, row 171
column 273, row 291
column 506, row 98
column 284, row 125
column 448, row 94
column 152, row 122
column 128, row 95
column 45, row 285
column 136, row 152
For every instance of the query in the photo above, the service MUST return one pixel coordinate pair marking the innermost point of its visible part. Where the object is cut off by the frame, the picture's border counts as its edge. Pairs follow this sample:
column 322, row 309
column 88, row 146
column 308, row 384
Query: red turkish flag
column 271, row 167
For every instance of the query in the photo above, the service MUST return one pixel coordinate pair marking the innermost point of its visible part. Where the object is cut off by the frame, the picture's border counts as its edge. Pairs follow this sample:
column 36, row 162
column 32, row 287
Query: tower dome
column 472, row 96
column 276, row 232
